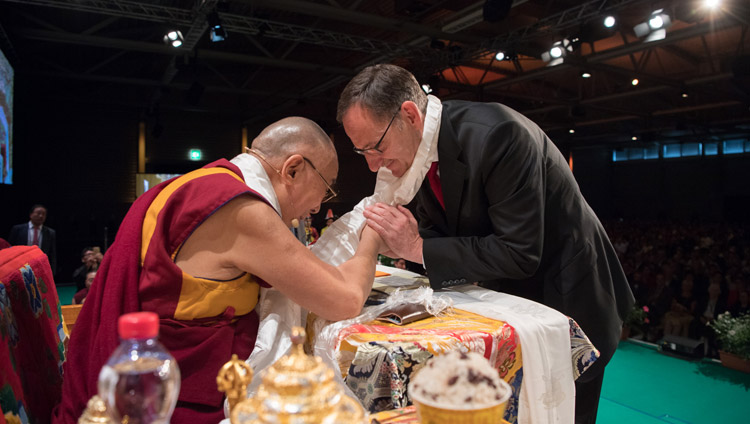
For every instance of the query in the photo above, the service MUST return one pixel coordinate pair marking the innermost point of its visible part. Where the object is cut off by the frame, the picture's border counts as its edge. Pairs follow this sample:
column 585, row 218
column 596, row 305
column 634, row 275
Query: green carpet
column 642, row 385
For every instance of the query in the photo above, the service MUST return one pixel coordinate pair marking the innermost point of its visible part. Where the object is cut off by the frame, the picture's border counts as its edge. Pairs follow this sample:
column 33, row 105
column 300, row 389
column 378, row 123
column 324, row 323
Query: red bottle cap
column 138, row 325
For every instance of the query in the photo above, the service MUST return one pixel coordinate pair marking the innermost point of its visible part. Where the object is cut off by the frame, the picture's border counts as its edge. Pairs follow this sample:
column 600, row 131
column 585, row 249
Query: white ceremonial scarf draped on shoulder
column 547, row 392
column 277, row 314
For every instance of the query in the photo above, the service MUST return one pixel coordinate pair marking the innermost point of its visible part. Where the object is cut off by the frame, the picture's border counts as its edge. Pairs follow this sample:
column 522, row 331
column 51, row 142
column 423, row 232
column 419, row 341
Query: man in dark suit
column 35, row 232
column 500, row 207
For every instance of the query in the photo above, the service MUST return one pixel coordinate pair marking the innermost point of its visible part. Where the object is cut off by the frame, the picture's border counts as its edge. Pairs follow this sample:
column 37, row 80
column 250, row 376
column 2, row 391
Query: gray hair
column 382, row 89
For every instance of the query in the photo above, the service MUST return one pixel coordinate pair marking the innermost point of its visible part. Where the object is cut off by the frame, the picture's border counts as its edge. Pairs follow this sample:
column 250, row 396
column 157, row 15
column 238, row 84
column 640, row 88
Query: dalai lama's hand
column 398, row 228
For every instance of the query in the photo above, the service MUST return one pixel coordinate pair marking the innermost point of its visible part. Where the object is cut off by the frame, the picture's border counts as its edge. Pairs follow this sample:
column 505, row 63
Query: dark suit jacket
column 19, row 236
column 516, row 221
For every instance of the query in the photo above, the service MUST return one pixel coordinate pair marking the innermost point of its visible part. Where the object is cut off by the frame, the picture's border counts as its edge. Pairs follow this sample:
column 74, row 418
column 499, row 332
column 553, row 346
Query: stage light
column 711, row 4
column 218, row 33
column 685, row 95
column 558, row 51
column 174, row 38
column 655, row 28
column 656, row 22
column 500, row 56
column 634, row 138
column 426, row 88
column 195, row 154
column 572, row 131
column 595, row 29
column 635, row 81
column 586, row 75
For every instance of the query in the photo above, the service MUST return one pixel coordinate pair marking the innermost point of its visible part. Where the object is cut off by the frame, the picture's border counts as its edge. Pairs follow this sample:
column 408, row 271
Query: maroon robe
column 127, row 281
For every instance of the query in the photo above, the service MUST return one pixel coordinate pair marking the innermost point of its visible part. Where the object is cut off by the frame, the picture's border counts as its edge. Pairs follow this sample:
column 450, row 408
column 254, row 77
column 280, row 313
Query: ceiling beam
column 360, row 18
column 158, row 48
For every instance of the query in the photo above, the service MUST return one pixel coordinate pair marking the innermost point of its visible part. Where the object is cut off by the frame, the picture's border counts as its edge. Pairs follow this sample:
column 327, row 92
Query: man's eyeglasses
column 376, row 148
column 330, row 192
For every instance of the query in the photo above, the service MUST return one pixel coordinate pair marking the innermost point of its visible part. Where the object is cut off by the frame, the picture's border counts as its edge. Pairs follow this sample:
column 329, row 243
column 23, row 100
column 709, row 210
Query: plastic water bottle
column 140, row 382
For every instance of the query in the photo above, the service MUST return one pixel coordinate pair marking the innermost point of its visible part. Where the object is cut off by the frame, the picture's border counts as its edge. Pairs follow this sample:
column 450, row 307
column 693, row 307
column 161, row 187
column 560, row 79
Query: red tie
column 432, row 176
column 36, row 237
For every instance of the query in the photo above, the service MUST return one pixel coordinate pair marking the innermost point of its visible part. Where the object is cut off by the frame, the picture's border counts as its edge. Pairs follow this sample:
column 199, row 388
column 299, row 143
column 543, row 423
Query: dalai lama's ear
column 290, row 170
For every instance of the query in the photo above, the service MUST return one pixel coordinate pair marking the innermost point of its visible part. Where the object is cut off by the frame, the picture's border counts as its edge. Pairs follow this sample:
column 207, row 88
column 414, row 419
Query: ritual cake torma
column 297, row 389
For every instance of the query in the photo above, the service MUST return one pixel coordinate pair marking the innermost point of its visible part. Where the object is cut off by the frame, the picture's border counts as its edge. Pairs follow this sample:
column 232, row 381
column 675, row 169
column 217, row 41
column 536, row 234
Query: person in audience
column 659, row 301
column 499, row 205
column 678, row 319
column 90, row 259
column 80, row 296
column 743, row 305
column 329, row 222
column 3, row 243
column 311, row 233
column 197, row 249
column 709, row 308
column 34, row 232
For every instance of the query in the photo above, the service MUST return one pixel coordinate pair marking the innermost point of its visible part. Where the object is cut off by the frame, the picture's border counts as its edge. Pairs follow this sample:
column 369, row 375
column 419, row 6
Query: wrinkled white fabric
column 548, row 391
column 277, row 314
column 341, row 239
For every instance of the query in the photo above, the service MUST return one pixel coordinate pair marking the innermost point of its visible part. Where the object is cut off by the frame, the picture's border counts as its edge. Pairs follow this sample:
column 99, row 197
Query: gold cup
column 432, row 413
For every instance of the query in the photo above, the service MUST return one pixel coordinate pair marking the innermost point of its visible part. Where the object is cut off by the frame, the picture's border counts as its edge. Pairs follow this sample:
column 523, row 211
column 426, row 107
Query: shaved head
column 293, row 135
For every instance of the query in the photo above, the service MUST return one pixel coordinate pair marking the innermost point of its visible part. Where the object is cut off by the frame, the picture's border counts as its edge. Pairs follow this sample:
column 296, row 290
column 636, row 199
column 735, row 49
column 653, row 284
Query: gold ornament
column 95, row 412
column 233, row 379
column 298, row 389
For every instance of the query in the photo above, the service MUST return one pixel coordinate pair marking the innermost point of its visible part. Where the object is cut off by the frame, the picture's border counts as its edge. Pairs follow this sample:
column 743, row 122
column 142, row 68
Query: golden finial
column 95, row 412
column 298, row 389
column 233, row 379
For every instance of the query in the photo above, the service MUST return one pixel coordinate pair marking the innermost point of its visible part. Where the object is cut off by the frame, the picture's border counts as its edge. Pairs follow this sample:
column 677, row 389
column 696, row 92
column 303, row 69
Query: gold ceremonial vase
column 298, row 389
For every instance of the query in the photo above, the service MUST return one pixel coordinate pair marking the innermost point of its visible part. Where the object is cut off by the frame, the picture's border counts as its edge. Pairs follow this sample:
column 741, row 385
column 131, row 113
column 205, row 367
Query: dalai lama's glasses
column 376, row 148
column 330, row 192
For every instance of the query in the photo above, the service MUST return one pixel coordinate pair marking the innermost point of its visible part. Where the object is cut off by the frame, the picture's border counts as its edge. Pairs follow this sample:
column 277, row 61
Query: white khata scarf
column 547, row 393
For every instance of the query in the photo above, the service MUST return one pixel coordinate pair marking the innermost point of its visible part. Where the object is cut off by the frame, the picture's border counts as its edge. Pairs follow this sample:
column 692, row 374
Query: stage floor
column 643, row 386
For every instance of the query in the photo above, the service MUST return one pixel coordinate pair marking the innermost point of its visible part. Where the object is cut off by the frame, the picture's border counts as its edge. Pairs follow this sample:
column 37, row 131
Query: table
column 377, row 359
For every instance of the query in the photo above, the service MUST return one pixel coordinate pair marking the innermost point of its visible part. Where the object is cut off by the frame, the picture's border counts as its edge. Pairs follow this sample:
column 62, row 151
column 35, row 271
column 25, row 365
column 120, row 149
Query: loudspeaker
column 681, row 347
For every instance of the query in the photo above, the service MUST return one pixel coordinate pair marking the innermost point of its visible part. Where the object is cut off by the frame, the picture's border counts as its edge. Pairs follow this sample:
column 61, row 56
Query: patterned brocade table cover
column 377, row 359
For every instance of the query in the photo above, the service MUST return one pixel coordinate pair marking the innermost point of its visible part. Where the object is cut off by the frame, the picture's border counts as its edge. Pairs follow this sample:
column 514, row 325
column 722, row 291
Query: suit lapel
column 452, row 171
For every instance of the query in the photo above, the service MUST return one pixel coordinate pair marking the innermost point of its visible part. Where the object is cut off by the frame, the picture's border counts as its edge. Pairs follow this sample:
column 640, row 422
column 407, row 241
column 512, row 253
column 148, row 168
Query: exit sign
column 196, row 154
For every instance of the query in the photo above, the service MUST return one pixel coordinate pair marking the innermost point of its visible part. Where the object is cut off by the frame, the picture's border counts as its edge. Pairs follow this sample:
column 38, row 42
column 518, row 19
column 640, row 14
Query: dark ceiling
column 284, row 57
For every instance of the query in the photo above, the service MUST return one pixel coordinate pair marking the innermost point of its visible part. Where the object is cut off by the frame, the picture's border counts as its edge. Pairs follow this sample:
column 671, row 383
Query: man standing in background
column 36, row 233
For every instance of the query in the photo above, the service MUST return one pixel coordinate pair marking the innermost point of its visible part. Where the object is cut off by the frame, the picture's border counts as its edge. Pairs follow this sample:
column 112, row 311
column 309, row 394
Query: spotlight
column 711, row 4
column 174, row 38
column 572, row 131
column 634, row 138
column 599, row 28
column 685, row 95
column 635, row 81
column 586, row 75
column 656, row 26
column 557, row 52
column 218, row 33
column 500, row 56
